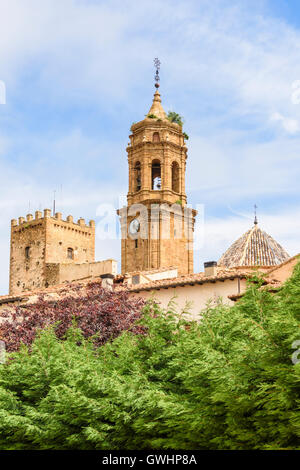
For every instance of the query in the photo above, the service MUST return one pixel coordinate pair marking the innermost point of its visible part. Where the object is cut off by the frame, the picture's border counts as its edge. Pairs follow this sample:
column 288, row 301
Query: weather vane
column 255, row 218
column 156, row 77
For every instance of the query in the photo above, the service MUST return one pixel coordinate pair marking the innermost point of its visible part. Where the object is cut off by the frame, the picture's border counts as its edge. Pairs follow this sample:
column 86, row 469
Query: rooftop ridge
column 181, row 281
column 274, row 268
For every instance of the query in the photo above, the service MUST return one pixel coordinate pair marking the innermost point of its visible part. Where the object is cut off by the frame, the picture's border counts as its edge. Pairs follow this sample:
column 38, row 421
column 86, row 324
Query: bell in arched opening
column 156, row 175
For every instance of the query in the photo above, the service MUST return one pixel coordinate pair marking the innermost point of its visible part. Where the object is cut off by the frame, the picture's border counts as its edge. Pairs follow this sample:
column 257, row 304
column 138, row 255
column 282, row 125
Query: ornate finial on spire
column 255, row 218
column 156, row 77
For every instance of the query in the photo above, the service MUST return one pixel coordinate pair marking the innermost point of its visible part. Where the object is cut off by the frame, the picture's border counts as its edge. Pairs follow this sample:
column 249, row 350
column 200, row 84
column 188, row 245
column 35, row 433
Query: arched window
column 156, row 175
column 155, row 137
column 27, row 252
column 70, row 253
column 137, row 176
column 175, row 177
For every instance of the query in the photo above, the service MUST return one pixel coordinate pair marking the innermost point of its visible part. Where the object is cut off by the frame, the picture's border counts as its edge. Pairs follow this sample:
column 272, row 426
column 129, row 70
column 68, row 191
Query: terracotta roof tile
column 57, row 289
column 199, row 278
column 255, row 248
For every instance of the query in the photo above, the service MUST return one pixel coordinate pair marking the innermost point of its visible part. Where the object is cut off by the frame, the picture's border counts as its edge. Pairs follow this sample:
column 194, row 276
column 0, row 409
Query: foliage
column 185, row 136
column 96, row 310
column 175, row 117
column 151, row 116
column 227, row 382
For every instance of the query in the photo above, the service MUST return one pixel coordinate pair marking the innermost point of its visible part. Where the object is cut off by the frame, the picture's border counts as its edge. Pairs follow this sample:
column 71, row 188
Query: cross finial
column 54, row 209
column 255, row 217
column 157, row 77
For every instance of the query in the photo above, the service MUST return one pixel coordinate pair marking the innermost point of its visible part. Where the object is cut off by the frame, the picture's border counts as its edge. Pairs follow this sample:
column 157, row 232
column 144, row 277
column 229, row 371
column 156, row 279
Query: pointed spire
column 255, row 217
column 157, row 108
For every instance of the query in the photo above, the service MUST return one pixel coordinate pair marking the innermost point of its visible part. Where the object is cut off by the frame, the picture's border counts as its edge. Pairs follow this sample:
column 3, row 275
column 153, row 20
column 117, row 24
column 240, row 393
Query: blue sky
column 78, row 73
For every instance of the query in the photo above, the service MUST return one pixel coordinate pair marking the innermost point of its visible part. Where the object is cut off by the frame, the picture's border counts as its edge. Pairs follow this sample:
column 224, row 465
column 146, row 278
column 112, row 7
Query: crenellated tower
column 157, row 226
column 39, row 244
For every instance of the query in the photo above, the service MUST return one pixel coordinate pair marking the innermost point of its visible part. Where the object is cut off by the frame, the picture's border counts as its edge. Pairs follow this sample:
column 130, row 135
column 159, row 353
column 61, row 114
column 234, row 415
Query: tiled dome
column 254, row 248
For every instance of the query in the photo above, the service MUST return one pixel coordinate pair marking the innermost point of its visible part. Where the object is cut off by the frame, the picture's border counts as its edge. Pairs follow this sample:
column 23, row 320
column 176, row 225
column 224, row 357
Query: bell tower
column 157, row 226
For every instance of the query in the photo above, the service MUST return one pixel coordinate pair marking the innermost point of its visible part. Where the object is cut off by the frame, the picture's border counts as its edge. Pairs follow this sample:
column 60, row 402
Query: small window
column 27, row 252
column 136, row 279
column 135, row 243
column 156, row 137
column 70, row 253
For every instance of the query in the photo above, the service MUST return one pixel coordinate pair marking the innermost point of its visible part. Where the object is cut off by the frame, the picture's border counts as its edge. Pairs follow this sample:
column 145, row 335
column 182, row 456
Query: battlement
column 43, row 239
column 25, row 222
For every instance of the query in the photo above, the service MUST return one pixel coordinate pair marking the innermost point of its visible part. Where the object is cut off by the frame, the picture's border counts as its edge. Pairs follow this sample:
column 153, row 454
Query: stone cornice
column 155, row 124
column 159, row 145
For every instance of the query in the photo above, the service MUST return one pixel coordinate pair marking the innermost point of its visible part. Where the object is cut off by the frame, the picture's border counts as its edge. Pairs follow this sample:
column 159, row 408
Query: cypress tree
column 226, row 382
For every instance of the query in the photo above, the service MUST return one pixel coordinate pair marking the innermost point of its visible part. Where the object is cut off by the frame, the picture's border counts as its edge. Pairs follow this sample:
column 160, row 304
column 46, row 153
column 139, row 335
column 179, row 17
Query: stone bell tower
column 157, row 226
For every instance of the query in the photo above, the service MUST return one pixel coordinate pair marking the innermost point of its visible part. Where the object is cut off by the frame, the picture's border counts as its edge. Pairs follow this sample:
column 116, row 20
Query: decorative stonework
column 157, row 157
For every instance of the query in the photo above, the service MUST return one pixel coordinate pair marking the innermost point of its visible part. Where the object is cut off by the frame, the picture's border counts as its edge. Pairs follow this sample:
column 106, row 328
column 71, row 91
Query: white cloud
column 228, row 169
column 105, row 48
column 226, row 66
column 292, row 126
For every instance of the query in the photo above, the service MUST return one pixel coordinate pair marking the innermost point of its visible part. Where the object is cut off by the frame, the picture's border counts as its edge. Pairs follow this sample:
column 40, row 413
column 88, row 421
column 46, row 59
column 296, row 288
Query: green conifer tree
column 226, row 382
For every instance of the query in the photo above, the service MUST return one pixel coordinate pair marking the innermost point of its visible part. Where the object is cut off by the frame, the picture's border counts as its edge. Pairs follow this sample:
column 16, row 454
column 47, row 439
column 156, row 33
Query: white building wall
column 195, row 297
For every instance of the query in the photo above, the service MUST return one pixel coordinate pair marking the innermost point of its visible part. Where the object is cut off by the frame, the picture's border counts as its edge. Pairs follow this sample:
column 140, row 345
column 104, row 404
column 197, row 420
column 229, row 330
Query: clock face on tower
column 156, row 157
column 134, row 226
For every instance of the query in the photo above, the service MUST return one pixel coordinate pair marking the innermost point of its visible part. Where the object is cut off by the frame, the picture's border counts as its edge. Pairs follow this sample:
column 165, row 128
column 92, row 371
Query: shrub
column 227, row 382
column 175, row 117
column 96, row 310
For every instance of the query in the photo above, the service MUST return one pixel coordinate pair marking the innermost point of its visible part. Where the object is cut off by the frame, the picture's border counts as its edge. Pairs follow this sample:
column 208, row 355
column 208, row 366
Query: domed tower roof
column 254, row 248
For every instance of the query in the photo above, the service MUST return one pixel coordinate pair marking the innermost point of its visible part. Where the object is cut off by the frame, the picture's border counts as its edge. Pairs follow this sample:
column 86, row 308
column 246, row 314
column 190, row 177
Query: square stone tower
column 37, row 243
column 157, row 225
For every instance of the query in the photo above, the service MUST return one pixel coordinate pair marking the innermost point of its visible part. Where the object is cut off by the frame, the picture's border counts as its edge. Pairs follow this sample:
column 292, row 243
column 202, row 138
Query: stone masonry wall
column 36, row 242
column 27, row 273
column 62, row 235
column 60, row 273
